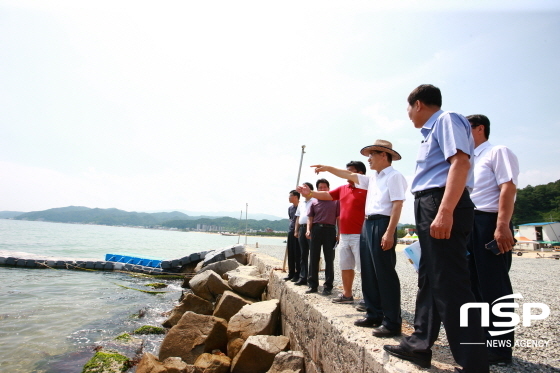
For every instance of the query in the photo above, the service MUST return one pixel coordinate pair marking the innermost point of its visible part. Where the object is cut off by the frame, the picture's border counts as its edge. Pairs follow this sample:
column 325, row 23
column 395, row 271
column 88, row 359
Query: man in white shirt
column 496, row 169
column 301, row 229
column 386, row 194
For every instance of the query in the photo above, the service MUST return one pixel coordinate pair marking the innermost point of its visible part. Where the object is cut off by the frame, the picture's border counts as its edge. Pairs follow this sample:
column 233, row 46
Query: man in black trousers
column 304, row 242
column 444, row 219
column 322, row 221
column 294, row 254
column 496, row 169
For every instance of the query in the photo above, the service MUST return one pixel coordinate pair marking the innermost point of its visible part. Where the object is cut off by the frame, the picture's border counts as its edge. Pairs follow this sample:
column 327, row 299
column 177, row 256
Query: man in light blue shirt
column 444, row 216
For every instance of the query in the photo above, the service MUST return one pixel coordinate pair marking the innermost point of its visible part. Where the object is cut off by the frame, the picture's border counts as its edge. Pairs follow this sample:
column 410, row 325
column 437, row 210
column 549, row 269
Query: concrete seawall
column 324, row 331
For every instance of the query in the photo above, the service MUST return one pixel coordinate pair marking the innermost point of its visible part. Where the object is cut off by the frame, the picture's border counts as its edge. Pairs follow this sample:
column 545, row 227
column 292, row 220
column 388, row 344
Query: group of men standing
column 464, row 191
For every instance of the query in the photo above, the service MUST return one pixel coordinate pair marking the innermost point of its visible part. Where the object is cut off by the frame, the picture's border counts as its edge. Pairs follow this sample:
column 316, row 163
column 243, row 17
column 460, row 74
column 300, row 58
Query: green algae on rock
column 148, row 329
column 107, row 362
column 124, row 337
column 157, row 285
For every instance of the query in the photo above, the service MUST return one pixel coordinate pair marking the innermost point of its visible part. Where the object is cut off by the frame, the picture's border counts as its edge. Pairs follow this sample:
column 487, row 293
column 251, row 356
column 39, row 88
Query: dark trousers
column 304, row 248
column 293, row 255
column 324, row 236
column 490, row 277
column 444, row 286
column 380, row 283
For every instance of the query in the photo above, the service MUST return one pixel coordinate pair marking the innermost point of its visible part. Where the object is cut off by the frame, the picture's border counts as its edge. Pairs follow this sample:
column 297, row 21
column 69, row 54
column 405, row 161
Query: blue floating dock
column 129, row 259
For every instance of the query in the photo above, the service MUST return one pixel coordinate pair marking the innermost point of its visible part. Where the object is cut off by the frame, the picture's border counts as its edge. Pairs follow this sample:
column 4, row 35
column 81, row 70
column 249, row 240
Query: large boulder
column 213, row 363
column 258, row 353
column 176, row 365
column 248, row 285
column 258, row 318
column 229, row 304
column 222, row 266
column 288, row 362
column 208, row 285
column 190, row 302
column 150, row 364
column 193, row 335
column 242, row 270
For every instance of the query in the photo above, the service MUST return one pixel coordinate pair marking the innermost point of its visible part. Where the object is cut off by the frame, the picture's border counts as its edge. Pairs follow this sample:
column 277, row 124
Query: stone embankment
column 240, row 316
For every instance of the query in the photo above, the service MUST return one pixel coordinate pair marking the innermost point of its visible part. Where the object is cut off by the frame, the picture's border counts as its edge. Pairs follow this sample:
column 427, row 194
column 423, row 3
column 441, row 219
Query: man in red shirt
column 352, row 206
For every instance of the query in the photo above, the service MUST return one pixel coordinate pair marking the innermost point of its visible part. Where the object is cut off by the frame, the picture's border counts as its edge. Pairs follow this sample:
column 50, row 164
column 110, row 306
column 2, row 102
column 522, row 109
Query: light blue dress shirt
column 444, row 133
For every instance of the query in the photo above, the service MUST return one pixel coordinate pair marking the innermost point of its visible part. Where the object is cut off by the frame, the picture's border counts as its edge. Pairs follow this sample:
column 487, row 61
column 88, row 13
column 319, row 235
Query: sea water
column 51, row 320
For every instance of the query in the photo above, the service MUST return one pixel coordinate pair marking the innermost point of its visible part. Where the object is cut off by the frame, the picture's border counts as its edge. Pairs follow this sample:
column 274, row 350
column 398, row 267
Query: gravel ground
column 534, row 279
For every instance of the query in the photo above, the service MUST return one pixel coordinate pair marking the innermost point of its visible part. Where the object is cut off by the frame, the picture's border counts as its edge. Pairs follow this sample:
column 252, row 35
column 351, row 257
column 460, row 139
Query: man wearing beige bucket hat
column 386, row 194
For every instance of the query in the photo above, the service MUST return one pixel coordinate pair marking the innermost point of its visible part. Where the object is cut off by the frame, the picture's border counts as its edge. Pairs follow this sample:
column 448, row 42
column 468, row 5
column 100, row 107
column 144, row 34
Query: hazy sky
column 205, row 105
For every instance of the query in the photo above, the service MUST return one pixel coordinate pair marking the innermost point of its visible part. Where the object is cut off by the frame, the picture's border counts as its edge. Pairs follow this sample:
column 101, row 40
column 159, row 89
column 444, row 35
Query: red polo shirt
column 352, row 207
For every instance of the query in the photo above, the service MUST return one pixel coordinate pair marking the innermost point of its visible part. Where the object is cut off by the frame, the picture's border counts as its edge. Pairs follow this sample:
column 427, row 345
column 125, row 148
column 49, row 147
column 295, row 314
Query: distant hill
column 9, row 214
column 79, row 214
column 174, row 219
column 231, row 214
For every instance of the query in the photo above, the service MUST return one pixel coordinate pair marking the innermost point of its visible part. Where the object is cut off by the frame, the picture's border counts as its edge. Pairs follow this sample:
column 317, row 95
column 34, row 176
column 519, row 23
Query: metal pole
column 239, row 228
column 246, row 208
column 300, row 162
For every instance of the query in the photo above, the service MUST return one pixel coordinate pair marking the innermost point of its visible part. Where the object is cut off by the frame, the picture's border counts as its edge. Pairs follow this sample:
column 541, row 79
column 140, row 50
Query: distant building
column 544, row 234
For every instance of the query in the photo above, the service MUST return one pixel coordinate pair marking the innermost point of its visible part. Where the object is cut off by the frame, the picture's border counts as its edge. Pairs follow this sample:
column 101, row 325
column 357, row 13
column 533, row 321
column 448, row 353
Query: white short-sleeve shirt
column 301, row 211
column 383, row 188
column 493, row 166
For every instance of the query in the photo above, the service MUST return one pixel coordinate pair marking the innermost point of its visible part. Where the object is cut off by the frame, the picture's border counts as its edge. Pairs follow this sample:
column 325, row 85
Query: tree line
column 536, row 204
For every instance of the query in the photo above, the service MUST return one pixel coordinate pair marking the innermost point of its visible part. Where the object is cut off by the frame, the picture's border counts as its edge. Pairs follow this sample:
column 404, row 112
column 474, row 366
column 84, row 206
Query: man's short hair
column 427, row 93
column 479, row 119
column 309, row 185
column 359, row 166
column 294, row 193
column 324, row 181
column 389, row 155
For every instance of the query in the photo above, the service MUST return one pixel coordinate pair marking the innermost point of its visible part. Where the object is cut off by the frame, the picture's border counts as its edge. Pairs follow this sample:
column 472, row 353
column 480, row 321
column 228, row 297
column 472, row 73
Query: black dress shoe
column 368, row 323
column 423, row 360
column 301, row 282
column 295, row 278
column 384, row 332
column 288, row 278
column 327, row 292
column 311, row 290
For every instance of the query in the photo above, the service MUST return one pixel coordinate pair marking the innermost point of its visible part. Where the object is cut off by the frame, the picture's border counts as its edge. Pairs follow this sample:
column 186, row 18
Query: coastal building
column 544, row 235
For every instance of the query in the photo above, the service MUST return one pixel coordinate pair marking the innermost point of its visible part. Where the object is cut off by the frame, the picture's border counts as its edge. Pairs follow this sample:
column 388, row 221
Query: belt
column 376, row 217
column 303, row 225
column 324, row 225
column 478, row 212
column 427, row 191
